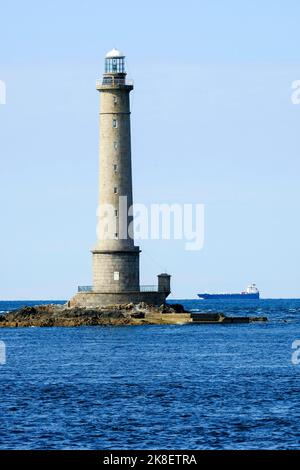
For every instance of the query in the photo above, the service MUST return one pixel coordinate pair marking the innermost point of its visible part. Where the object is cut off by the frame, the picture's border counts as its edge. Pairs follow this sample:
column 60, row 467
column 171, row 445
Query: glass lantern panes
column 115, row 65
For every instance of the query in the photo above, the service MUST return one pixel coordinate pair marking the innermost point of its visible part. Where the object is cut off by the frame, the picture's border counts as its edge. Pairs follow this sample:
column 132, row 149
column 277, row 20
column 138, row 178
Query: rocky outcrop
column 215, row 317
column 115, row 315
column 62, row 315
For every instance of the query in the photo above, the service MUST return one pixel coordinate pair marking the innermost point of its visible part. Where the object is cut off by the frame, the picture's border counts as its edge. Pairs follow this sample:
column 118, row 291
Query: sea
column 234, row 386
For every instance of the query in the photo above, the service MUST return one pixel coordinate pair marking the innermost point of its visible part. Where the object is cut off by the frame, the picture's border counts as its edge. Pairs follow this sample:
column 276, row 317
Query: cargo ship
column 251, row 293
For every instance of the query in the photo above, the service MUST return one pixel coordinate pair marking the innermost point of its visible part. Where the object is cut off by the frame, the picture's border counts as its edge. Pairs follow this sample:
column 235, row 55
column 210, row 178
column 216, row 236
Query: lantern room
column 114, row 62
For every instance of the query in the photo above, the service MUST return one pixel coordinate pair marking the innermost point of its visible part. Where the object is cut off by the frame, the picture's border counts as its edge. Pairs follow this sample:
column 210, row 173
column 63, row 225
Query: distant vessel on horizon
column 251, row 293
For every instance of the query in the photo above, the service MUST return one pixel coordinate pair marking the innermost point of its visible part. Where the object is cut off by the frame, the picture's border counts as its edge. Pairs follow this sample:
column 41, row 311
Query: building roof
column 114, row 53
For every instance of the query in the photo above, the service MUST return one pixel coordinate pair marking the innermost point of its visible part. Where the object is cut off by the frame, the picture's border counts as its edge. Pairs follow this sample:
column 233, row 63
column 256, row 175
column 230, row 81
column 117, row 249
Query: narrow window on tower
column 116, row 145
column 115, row 123
column 116, row 213
column 115, row 100
column 115, row 190
column 116, row 276
column 115, row 168
column 116, row 236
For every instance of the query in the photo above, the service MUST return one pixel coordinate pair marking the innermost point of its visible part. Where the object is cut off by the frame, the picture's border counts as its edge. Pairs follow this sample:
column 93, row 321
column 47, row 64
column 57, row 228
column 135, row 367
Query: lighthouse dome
column 114, row 53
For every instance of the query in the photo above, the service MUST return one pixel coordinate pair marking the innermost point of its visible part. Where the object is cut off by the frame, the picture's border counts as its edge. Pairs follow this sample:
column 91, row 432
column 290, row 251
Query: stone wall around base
column 94, row 299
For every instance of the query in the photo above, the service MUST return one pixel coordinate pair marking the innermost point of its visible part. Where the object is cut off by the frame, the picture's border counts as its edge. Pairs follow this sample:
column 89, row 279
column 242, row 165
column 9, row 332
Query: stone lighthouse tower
column 116, row 277
column 115, row 257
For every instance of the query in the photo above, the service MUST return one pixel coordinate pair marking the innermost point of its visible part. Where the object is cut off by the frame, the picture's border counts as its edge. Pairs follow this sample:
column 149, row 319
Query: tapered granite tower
column 115, row 258
column 116, row 277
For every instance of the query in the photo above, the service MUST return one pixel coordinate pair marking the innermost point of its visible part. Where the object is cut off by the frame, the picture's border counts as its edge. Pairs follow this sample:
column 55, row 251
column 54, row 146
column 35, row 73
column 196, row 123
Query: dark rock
column 138, row 315
column 211, row 317
column 171, row 308
column 113, row 315
column 178, row 308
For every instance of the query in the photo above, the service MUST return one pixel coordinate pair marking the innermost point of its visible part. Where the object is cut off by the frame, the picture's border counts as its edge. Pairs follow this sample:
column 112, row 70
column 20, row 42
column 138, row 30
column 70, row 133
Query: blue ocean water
column 155, row 387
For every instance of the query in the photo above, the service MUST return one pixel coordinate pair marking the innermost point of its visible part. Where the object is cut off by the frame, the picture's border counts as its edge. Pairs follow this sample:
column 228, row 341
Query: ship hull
column 254, row 296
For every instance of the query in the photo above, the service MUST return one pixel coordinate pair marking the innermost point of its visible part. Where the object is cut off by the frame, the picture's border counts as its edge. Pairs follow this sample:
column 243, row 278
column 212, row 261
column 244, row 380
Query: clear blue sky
column 212, row 122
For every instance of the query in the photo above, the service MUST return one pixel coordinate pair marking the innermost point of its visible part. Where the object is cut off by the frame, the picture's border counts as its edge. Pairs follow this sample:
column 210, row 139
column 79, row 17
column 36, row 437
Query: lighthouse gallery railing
column 149, row 288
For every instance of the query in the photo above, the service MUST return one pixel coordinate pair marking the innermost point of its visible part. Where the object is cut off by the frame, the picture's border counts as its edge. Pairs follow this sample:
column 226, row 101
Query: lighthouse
column 116, row 258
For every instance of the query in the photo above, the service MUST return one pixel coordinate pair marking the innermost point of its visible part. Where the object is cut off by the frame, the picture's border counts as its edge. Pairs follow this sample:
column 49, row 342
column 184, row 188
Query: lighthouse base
column 95, row 299
column 116, row 270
